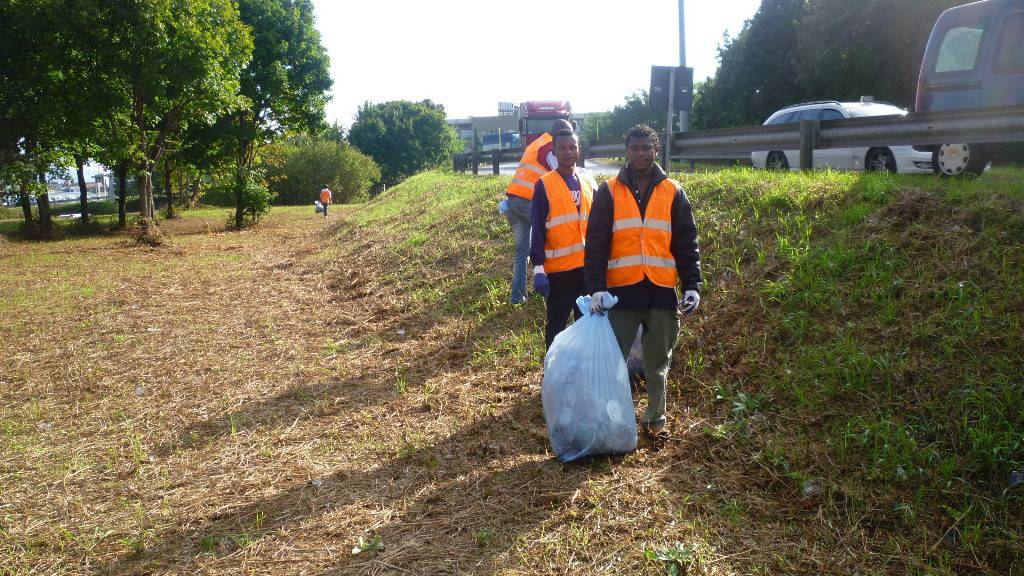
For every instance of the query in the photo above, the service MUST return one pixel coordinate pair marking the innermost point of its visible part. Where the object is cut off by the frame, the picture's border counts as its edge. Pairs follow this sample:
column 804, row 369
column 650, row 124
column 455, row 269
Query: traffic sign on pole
column 662, row 84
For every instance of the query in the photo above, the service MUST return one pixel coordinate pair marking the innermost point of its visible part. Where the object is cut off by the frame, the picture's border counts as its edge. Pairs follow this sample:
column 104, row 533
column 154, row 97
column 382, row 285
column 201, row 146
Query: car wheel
column 776, row 161
column 959, row 160
column 880, row 160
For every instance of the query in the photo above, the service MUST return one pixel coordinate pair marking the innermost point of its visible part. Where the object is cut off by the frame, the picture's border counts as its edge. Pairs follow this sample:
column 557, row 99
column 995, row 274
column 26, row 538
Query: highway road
column 597, row 168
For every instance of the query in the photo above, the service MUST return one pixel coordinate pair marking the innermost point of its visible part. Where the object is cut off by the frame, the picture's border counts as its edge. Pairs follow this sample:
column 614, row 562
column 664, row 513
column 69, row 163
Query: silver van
column 974, row 59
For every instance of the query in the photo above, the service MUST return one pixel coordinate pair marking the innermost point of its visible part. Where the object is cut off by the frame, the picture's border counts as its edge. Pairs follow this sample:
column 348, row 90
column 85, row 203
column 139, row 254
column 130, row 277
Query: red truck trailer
column 536, row 116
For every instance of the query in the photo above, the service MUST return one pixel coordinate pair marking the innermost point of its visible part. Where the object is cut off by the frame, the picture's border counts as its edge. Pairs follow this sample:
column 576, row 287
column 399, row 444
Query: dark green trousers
column 657, row 342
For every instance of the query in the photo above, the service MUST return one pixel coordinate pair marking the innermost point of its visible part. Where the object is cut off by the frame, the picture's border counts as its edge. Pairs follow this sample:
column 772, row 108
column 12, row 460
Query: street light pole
column 684, row 115
column 682, row 34
column 667, row 147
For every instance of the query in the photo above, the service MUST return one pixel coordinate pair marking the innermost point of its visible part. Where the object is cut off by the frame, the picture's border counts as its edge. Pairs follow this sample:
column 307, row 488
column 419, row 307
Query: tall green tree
column 285, row 88
column 115, row 145
column 613, row 125
column 755, row 75
column 850, row 48
column 173, row 63
column 404, row 137
column 797, row 50
column 35, row 104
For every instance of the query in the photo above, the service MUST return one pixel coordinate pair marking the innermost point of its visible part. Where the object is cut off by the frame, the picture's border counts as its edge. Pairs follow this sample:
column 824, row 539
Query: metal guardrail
column 986, row 125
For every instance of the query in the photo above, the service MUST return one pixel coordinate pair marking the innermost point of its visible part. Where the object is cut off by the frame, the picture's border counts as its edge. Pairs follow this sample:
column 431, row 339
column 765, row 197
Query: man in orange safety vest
column 538, row 159
column 561, row 205
column 641, row 243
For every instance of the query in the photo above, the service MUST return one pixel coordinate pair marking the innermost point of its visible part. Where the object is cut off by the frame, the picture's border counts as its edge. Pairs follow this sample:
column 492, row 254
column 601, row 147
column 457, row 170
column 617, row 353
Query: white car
column 903, row 159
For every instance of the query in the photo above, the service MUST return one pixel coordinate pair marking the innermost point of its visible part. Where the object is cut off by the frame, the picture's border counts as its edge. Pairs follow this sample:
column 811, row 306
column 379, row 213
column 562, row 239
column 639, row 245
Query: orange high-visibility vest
column 325, row 196
column 640, row 246
column 530, row 169
column 566, row 225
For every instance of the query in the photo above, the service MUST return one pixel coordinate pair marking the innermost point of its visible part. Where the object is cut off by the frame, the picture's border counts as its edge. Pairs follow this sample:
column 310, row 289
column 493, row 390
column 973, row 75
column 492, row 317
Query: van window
column 1011, row 44
column 959, row 49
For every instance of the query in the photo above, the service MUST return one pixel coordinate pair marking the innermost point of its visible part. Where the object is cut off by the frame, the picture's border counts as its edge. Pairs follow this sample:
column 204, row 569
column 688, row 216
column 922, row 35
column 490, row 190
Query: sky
column 471, row 54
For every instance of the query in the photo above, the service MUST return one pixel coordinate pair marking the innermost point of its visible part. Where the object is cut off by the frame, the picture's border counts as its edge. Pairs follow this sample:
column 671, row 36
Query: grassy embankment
column 848, row 400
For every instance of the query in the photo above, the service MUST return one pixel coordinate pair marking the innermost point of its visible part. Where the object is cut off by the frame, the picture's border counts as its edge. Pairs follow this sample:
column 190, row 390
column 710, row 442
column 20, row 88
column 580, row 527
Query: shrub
column 299, row 168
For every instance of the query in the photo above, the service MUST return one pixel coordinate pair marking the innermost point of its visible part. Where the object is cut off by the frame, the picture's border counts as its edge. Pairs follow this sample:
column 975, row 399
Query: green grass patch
column 888, row 307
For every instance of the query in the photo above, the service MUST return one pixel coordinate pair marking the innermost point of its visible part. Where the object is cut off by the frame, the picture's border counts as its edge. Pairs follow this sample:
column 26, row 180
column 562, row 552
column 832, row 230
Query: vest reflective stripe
column 560, row 253
column 640, row 260
column 566, row 225
column 524, row 184
column 641, row 245
column 663, row 225
column 529, row 170
column 552, row 222
column 627, row 223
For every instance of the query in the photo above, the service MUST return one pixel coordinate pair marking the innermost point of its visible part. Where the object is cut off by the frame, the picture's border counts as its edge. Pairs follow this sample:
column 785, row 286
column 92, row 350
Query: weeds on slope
column 357, row 397
column 873, row 322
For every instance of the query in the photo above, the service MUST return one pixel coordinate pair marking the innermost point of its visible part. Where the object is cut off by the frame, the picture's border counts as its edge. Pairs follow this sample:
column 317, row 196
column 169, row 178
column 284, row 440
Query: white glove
column 690, row 302
column 600, row 303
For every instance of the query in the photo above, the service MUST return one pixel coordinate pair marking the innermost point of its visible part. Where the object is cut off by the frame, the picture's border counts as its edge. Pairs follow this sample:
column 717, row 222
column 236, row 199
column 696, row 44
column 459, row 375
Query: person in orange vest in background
column 641, row 241
column 538, row 159
column 560, row 207
column 325, row 198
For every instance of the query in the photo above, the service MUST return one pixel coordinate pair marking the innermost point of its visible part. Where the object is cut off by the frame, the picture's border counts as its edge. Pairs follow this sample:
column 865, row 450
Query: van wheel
column 880, row 160
column 776, row 161
column 959, row 160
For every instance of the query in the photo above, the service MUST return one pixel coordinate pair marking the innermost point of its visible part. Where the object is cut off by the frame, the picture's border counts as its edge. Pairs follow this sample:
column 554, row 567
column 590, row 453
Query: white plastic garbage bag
column 586, row 397
column 318, row 206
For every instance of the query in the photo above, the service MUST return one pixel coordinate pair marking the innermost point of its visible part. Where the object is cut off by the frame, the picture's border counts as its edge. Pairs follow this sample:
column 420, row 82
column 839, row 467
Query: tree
column 172, row 62
column 797, row 50
column 850, row 48
column 284, row 85
column 755, row 76
column 403, row 137
column 115, row 148
column 615, row 124
column 299, row 167
column 33, row 100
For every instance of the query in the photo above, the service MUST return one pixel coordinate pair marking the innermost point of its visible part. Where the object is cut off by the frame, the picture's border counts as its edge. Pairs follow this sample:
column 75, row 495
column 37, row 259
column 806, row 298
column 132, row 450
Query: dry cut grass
column 355, row 396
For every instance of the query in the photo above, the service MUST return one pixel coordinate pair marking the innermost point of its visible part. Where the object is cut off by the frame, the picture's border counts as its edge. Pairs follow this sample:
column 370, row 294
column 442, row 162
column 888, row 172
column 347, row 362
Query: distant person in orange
column 325, row 198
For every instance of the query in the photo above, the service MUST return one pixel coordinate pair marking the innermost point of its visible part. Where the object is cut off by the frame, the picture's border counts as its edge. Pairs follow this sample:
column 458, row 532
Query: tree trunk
column 239, row 187
column 26, row 203
column 45, row 219
column 241, row 180
column 146, row 194
column 148, row 231
column 182, row 189
column 167, row 188
column 82, row 189
column 122, row 193
column 195, row 190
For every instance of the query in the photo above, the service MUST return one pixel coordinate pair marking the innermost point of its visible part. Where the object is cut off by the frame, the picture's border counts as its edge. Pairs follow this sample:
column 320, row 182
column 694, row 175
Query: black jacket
column 683, row 246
